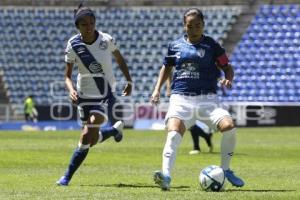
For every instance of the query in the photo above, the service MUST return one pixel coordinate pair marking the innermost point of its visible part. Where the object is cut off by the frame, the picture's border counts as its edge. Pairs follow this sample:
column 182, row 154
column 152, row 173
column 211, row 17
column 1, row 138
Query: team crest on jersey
column 96, row 67
column 103, row 44
column 201, row 53
column 177, row 54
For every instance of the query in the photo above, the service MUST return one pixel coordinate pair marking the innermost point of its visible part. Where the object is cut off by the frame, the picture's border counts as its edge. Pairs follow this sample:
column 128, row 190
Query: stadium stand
column 267, row 59
column 34, row 39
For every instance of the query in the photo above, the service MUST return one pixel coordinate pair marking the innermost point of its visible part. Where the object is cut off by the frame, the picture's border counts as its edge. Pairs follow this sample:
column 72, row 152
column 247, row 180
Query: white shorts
column 205, row 108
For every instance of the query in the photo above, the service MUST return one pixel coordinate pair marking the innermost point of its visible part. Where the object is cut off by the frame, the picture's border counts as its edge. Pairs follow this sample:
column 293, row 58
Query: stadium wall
column 245, row 114
column 146, row 116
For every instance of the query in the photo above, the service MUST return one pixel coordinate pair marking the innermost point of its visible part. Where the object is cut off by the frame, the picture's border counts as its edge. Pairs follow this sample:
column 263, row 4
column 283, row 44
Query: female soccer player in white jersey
column 92, row 52
column 196, row 59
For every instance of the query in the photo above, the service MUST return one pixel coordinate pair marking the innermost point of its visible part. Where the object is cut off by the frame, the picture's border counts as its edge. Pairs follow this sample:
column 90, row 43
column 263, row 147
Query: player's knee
column 226, row 124
column 175, row 124
column 96, row 119
column 93, row 120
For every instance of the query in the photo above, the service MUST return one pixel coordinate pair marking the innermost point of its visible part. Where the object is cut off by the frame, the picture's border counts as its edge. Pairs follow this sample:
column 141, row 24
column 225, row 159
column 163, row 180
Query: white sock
column 227, row 147
column 169, row 153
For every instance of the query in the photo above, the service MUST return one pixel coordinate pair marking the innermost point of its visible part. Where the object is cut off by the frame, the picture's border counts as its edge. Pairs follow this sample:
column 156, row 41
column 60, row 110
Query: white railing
column 4, row 112
column 10, row 113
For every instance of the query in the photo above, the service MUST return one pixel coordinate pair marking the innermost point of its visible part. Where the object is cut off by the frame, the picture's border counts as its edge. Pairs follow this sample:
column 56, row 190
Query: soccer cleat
column 63, row 181
column 161, row 180
column 233, row 179
column 194, row 152
column 119, row 125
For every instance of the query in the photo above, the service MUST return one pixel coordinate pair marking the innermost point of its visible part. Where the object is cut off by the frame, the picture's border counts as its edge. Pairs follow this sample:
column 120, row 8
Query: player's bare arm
column 124, row 68
column 229, row 74
column 164, row 73
column 168, row 85
column 68, row 81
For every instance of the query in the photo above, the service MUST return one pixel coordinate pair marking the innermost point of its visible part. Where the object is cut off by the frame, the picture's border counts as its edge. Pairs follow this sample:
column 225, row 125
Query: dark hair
column 82, row 11
column 193, row 12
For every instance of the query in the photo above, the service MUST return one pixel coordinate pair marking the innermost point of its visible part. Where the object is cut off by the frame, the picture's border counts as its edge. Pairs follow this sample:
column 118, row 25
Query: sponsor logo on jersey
column 189, row 66
column 81, row 50
column 201, row 53
column 103, row 44
column 96, row 67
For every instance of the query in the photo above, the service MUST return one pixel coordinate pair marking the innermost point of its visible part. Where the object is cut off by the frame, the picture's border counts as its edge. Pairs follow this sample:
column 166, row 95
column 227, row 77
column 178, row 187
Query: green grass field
column 268, row 159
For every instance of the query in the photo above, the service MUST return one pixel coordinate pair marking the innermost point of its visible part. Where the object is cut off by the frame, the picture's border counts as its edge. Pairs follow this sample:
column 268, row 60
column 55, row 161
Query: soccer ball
column 212, row 178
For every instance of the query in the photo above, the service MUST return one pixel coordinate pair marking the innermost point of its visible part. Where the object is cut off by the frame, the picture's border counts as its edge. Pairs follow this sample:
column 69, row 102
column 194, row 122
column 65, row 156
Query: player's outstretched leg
column 116, row 131
column 78, row 156
column 162, row 180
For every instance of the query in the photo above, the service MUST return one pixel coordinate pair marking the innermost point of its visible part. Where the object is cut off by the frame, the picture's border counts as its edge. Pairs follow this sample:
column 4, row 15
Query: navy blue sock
column 76, row 160
column 107, row 132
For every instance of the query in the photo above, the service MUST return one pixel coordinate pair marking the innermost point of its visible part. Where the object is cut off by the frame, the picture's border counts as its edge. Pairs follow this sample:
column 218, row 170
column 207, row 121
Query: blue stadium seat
column 269, row 48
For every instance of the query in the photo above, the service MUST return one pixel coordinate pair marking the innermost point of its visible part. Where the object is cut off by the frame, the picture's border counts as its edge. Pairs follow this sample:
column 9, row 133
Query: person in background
column 201, row 130
column 30, row 110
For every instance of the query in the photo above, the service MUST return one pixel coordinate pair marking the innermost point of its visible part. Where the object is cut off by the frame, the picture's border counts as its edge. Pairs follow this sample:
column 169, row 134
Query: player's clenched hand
column 225, row 82
column 155, row 97
column 73, row 95
column 127, row 90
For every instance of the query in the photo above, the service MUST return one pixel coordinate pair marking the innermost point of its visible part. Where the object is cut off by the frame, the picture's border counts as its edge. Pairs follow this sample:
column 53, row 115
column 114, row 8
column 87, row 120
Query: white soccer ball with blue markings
column 212, row 178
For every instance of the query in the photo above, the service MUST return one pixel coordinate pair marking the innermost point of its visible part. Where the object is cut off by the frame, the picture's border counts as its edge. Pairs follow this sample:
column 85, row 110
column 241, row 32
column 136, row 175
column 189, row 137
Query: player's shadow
column 138, row 185
column 237, row 190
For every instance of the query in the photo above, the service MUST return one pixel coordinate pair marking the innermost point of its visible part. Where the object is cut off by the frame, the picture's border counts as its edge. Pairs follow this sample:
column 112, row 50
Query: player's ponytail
column 82, row 11
column 79, row 6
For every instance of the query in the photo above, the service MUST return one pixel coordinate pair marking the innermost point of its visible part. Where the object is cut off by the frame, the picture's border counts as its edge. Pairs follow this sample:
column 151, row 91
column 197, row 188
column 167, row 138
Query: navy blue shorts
column 87, row 106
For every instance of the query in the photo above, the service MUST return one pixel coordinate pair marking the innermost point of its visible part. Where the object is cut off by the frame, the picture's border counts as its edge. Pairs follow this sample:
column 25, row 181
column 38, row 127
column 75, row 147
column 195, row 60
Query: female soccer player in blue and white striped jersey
column 196, row 59
column 92, row 52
